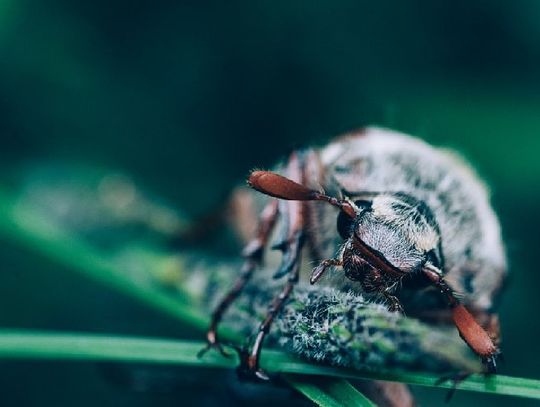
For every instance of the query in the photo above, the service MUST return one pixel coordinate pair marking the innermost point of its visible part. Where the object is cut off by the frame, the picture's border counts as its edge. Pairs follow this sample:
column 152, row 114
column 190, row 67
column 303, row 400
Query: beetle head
column 387, row 234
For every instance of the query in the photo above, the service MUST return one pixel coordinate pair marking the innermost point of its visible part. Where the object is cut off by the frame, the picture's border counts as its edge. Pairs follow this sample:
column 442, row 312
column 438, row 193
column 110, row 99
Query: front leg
column 469, row 329
column 318, row 271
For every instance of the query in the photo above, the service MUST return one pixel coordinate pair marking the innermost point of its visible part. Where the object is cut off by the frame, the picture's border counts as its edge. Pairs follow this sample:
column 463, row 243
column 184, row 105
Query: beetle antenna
column 277, row 186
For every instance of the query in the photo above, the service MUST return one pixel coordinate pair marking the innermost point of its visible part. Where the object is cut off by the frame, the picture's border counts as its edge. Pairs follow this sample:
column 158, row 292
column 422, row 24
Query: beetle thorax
column 399, row 227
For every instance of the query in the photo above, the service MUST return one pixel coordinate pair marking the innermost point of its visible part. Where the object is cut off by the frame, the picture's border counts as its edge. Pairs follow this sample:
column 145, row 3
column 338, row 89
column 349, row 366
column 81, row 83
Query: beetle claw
column 247, row 371
column 455, row 379
column 252, row 375
column 215, row 345
column 491, row 364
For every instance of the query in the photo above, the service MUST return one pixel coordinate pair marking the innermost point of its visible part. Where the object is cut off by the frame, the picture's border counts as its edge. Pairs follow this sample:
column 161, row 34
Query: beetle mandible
column 395, row 218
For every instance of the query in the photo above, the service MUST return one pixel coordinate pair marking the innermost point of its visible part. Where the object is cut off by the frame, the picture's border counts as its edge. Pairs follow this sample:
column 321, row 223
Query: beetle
column 394, row 218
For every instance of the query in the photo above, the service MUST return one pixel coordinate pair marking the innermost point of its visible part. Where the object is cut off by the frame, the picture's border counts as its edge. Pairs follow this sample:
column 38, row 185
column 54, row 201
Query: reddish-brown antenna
column 275, row 185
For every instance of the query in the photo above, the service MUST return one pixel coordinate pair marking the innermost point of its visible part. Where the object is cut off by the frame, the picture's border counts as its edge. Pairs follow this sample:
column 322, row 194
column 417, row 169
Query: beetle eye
column 345, row 223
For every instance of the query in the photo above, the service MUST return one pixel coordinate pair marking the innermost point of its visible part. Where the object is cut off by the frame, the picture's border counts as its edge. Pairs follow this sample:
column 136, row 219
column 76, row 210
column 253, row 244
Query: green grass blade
column 20, row 344
column 328, row 392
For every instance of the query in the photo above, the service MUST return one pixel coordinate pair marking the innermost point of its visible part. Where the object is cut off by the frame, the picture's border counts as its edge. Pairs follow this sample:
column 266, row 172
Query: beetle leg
column 469, row 329
column 487, row 320
column 318, row 271
column 295, row 217
column 253, row 254
column 249, row 366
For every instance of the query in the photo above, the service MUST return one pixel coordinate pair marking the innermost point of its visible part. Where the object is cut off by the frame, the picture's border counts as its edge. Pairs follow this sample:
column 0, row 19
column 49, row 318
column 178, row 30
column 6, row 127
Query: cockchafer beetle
column 396, row 218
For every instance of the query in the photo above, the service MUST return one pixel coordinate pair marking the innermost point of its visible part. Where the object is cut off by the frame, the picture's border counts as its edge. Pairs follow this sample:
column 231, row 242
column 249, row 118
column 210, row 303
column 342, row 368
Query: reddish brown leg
column 469, row 329
column 294, row 214
column 487, row 320
column 253, row 253
column 318, row 271
column 249, row 367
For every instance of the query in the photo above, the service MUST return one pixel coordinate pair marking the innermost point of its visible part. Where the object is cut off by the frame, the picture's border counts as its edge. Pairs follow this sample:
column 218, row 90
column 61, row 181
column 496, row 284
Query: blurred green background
column 187, row 96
